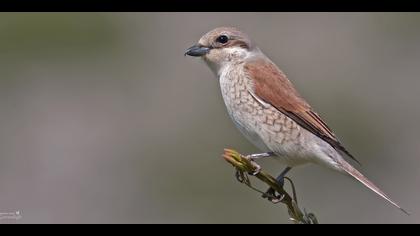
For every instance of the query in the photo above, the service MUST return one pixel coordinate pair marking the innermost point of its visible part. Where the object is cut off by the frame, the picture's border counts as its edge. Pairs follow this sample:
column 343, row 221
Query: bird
column 269, row 111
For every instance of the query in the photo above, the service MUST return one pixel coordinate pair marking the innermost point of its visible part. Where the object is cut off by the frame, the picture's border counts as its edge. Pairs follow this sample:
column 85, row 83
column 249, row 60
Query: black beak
column 197, row 51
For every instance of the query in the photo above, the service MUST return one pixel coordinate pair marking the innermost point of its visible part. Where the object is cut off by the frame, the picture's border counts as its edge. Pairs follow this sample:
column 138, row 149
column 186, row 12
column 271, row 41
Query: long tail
column 357, row 175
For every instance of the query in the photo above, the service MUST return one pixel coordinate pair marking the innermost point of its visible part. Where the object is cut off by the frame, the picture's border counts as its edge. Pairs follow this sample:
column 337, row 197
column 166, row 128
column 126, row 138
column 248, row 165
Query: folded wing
column 273, row 87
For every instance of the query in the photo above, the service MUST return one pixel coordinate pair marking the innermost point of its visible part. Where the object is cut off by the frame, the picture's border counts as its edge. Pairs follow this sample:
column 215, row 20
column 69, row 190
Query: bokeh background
column 103, row 120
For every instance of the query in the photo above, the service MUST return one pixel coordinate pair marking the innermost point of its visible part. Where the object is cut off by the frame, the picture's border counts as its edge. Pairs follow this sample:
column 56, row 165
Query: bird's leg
column 280, row 177
column 260, row 155
column 253, row 157
column 271, row 193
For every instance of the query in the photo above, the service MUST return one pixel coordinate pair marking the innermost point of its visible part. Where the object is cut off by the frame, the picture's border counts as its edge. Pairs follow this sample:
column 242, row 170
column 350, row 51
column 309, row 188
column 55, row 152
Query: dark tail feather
column 357, row 175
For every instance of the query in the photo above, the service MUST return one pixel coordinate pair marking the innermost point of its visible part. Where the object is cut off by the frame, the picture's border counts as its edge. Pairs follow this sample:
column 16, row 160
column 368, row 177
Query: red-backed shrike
column 268, row 110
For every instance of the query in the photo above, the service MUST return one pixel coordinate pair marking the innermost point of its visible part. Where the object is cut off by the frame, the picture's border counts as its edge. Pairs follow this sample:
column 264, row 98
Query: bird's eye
column 222, row 39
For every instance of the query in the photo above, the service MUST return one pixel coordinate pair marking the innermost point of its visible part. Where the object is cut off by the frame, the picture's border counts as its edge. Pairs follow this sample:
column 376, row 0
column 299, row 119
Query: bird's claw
column 271, row 195
column 257, row 168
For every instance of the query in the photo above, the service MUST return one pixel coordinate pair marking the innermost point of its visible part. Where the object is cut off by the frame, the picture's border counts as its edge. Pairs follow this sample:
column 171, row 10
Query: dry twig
column 243, row 166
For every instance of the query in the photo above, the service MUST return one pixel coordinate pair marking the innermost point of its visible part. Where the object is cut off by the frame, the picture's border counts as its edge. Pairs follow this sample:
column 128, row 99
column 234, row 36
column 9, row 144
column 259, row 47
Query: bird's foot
column 257, row 168
column 270, row 194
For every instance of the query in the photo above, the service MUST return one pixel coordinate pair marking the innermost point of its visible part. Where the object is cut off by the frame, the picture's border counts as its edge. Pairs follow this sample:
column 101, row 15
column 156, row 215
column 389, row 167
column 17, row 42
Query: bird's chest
column 265, row 126
column 240, row 105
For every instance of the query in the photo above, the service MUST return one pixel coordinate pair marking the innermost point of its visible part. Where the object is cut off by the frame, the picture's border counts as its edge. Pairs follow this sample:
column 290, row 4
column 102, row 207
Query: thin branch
column 244, row 166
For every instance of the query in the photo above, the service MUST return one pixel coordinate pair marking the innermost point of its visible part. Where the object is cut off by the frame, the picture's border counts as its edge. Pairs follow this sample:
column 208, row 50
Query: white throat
column 234, row 56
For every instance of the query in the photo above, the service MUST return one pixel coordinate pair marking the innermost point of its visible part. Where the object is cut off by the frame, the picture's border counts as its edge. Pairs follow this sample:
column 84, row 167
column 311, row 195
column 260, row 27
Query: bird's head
column 223, row 46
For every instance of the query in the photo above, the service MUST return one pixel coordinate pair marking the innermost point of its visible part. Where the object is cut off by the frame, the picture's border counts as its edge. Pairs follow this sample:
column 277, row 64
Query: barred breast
column 262, row 124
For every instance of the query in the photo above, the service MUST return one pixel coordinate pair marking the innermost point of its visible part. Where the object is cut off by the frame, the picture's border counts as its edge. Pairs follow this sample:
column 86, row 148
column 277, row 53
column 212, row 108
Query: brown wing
column 273, row 87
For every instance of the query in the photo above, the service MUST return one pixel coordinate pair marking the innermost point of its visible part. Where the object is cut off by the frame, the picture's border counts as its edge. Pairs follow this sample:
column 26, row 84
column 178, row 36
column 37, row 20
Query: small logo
column 10, row 215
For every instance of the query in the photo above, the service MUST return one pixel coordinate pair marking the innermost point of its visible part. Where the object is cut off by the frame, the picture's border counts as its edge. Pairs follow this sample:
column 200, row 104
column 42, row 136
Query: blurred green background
column 103, row 120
